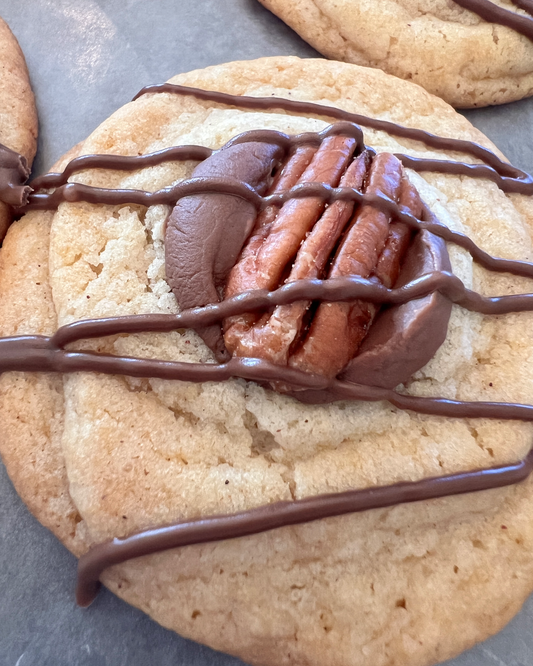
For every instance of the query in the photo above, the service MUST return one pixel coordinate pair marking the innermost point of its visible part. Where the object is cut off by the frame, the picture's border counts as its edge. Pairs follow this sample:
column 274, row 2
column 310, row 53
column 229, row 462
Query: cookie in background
column 18, row 126
column 472, row 53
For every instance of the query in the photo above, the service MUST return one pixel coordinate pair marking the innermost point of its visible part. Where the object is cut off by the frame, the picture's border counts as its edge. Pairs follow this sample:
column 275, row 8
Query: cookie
column 18, row 126
column 101, row 456
column 470, row 52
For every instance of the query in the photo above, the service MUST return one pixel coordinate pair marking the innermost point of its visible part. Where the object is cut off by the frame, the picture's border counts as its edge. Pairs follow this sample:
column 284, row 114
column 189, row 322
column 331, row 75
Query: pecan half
column 305, row 239
column 239, row 277
column 337, row 329
column 273, row 335
column 277, row 247
column 308, row 240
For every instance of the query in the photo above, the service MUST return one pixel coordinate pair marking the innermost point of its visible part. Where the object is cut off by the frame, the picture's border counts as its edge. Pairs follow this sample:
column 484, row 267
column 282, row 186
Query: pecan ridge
column 309, row 240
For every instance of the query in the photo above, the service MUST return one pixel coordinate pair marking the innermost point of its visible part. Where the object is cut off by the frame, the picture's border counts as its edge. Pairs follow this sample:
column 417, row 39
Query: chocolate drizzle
column 75, row 192
column 507, row 177
column 14, row 172
column 493, row 13
column 48, row 354
column 265, row 518
column 516, row 180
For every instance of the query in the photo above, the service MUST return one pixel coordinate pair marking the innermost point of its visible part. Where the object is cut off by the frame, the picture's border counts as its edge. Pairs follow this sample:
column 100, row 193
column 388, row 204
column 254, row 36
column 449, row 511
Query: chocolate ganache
column 48, row 354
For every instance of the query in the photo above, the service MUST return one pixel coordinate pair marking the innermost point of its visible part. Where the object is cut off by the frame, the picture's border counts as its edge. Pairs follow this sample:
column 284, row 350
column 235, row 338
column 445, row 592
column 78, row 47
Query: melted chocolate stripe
column 493, row 13
column 288, row 141
column 506, row 184
column 39, row 353
column 120, row 163
column 258, row 370
column 75, row 192
column 332, row 289
column 526, row 5
column 183, row 153
column 429, row 139
column 280, row 514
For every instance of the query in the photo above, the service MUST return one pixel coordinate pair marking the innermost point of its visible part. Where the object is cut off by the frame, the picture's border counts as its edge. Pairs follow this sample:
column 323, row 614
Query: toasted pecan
column 388, row 267
column 264, row 268
column 239, row 277
column 337, row 329
column 273, row 335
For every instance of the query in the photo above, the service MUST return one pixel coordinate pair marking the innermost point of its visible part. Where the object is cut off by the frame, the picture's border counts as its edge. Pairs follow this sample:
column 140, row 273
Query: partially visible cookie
column 35, row 461
column 444, row 46
column 18, row 116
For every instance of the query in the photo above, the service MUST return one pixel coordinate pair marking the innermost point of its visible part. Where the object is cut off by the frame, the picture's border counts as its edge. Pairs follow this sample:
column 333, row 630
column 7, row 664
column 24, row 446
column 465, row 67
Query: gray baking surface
column 87, row 58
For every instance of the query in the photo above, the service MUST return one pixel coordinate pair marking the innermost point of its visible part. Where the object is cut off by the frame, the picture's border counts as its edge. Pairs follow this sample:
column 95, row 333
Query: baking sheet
column 86, row 59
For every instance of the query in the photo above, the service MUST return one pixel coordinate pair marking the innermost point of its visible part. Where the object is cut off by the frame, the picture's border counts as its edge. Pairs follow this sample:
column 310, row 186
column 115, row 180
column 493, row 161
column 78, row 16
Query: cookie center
column 219, row 247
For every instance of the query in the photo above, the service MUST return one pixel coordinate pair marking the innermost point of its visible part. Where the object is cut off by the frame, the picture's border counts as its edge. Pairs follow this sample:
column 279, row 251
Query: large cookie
column 98, row 456
column 469, row 52
column 18, row 122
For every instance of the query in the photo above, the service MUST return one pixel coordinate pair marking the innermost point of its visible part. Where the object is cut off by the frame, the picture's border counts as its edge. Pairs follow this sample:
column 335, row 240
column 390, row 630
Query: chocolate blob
column 205, row 233
column 14, row 172
column 280, row 514
column 403, row 338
